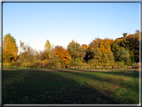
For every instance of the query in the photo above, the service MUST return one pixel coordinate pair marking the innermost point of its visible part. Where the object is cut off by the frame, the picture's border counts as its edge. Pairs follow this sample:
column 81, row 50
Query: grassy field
column 52, row 86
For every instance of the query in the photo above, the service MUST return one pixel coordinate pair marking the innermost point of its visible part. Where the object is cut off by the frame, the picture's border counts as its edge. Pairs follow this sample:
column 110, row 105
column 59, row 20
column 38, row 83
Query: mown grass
column 39, row 87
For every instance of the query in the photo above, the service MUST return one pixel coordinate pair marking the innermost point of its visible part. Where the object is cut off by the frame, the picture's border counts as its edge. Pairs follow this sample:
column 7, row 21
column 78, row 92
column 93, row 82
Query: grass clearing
column 40, row 87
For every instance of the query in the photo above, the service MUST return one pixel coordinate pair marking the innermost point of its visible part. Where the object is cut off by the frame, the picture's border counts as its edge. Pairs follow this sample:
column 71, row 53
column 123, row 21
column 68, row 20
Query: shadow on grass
column 113, row 80
column 130, row 73
column 52, row 88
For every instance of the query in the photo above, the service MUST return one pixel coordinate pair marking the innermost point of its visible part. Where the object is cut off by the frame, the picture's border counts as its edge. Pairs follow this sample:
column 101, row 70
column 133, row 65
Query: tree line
column 100, row 52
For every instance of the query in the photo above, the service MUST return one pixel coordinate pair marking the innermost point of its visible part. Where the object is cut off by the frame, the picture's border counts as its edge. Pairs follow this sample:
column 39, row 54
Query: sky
column 60, row 23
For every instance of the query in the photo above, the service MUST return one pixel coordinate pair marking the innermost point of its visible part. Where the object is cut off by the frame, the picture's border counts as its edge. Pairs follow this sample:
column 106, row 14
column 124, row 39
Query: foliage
column 105, row 58
column 53, row 59
column 94, row 53
column 114, row 48
column 111, row 56
column 78, row 62
column 94, row 62
column 75, row 50
column 27, row 53
column 95, row 43
column 10, row 48
column 125, row 34
column 6, row 64
column 105, row 45
column 62, row 54
column 134, row 46
column 122, row 54
column 47, row 47
column 131, row 43
column 107, row 52
column 85, row 46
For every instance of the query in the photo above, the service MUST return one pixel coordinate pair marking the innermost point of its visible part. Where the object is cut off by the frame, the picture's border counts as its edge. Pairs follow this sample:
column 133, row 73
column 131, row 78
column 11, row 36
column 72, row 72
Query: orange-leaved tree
column 105, row 45
column 85, row 46
column 62, row 54
column 10, row 48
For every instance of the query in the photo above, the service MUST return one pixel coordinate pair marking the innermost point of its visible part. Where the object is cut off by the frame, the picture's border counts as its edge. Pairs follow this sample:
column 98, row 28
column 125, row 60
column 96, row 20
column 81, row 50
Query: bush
column 37, row 64
column 136, row 65
column 6, row 64
column 28, row 64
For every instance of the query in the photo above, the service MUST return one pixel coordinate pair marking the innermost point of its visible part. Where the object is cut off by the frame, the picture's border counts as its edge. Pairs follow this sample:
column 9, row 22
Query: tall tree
column 10, row 48
column 47, row 47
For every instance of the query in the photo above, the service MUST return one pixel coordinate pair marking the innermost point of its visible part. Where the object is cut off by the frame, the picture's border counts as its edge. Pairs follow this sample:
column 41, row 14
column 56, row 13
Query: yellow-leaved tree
column 10, row 48
column 105, row 46
column 47, row 47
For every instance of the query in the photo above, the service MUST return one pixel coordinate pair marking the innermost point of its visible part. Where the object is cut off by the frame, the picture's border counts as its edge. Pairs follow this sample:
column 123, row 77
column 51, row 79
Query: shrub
column 28, row 64
column 6, row 64
column 136, row 65
column 37, row 64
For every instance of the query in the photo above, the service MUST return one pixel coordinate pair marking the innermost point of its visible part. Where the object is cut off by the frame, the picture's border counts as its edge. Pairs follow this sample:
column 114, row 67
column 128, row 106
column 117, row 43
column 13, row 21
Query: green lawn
column 41, row 87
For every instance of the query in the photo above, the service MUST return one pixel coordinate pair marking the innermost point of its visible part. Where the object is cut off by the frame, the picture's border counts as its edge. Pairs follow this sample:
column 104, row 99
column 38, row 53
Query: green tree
column 10, row 48
column 75, row 50
column 78, row 62
column 125, row 34
column 95, row 53
column 111, row 56
column 105, row 58
column 122, row 54
column 114, row 48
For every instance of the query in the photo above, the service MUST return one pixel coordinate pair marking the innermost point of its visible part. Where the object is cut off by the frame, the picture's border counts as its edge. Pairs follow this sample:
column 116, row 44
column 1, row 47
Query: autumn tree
column 62, row 54
column 85, row 46
column 39, row 55
column 10, row 48
column 47, row 47
column 105, row 45
column 53, row 59
column 26, row 54
column 75, row 50
column 95, row 43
